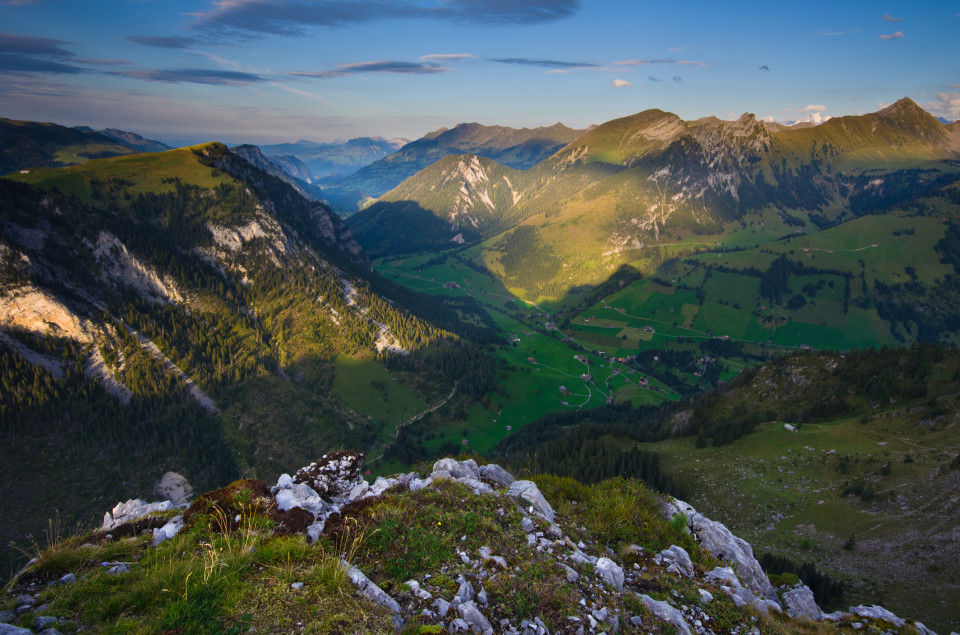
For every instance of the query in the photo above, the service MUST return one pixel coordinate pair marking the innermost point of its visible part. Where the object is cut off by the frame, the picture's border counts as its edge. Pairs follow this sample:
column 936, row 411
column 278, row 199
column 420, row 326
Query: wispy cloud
column 677, row 78
column 621, row 83
column 889, row 18
column 162, row 41
column 295, row 17
column 892, row 36
column 764, row 68
column 834, row 33
column 526, row 61
column 447, row 57
column 302, row 93
column 813, row 108
column 99, row 62
column 195, row 76
column 13, row 63
column 27, row 45
column 679, row 48
column 657, row 61
column 654, row 79
column 27, row 54
column 378, row 66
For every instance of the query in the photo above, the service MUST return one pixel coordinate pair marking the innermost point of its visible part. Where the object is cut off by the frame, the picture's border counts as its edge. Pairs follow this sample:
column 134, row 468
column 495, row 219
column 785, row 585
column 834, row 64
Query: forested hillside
column 185, row 310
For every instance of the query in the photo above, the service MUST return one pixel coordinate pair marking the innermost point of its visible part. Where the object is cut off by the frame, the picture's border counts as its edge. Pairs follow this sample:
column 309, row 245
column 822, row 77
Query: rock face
column 174, row 488
column 528, row 491
column 168, row 531
column 741, row 596
column 799, row 603
column 667, row 613
column 611, row 573
column 877, row 613
column 720, row 541
column 497, row 474
column 676, row 560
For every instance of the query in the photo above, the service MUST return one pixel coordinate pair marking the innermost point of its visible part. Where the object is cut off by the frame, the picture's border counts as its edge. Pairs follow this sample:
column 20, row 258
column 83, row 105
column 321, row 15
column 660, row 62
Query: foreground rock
column 598, row 580
column 799, row 603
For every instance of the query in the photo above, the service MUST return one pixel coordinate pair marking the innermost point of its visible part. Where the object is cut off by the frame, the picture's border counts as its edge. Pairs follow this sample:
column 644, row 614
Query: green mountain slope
column 186, row 309
column 516, row 148
column 29, row 144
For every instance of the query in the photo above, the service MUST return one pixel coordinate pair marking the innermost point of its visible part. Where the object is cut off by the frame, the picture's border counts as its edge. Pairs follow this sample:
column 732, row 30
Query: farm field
column 694, row 323
column 529, row 388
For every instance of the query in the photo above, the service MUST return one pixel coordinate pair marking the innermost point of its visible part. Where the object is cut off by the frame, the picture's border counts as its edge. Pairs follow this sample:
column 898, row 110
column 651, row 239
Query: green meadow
column 370, row 390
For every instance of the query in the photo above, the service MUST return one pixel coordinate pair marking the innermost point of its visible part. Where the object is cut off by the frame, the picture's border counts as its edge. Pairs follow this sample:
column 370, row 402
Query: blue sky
column 266, row 71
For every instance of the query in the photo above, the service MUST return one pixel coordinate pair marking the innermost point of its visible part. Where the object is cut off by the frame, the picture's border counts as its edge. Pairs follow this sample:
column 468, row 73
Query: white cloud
column 892, row 36
column 947, row 106
column 815, row 118
column 811, row 113
column 621, row 83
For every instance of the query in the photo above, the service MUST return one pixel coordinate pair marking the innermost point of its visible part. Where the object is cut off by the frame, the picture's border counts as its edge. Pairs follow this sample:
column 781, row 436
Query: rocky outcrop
column 676, row 560
column 334, row 477
column 529, row 492
column 174, row 488
column 132, row 510
column 38, row 311
column 669, row 614
column 370, row 590
column 601, row 579
column 720, row 541
column 120, row 267
column 799, row 603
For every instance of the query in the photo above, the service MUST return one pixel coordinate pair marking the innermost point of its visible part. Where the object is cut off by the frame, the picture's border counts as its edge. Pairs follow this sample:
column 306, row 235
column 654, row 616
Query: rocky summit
column 462, row 547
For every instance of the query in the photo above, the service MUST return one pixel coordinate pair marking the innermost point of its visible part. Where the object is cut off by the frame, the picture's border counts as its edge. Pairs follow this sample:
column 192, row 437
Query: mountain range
column 633, row 184
column 518, row 148
column 331, row 161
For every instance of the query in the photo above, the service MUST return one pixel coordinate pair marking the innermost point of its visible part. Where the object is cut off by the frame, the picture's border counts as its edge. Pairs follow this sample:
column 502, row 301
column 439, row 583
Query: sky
column 271, row 71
